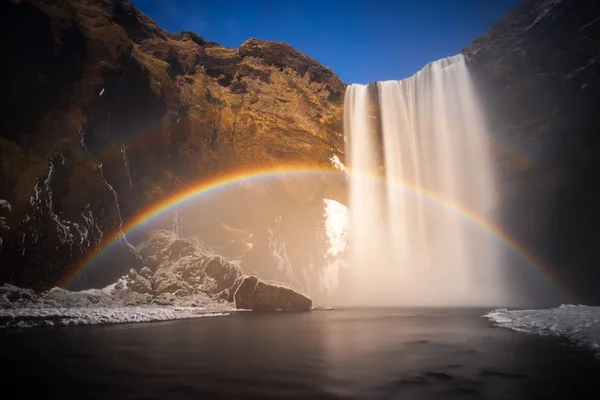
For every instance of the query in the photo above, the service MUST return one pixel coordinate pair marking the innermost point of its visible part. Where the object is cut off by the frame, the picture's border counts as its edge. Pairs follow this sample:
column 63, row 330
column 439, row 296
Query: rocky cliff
column 106, row 114
column 538, row 72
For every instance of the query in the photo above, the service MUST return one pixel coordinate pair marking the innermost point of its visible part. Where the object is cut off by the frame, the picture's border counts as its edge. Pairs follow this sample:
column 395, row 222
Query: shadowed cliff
column 107, row 114
column 538, row 73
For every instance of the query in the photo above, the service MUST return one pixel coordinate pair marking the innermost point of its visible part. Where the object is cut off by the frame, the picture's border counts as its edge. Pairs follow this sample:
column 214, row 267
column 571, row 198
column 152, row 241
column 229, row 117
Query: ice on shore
column 50, row 317
column 23, row 308
column 580, row 325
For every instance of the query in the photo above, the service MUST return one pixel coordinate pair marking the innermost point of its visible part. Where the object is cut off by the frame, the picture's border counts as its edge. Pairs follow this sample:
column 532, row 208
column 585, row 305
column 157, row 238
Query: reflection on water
column 365, row 353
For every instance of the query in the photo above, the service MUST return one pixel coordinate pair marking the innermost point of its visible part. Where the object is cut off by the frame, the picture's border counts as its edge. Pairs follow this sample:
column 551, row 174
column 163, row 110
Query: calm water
column 377, row 353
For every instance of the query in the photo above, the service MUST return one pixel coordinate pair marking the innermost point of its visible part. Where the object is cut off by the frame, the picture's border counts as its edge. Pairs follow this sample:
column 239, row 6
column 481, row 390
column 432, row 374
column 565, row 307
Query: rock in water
column 257, row 295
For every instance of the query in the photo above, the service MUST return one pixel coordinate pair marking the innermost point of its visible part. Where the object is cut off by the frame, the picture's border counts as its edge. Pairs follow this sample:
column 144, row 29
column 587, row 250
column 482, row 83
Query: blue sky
column 361, row 41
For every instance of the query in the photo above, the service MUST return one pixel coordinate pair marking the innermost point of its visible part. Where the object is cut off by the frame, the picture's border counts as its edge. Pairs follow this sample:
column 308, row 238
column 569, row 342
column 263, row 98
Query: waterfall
column 411, row 241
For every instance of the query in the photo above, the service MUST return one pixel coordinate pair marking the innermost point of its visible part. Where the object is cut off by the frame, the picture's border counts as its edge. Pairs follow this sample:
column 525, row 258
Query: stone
column 223, row 272
column 258, row 295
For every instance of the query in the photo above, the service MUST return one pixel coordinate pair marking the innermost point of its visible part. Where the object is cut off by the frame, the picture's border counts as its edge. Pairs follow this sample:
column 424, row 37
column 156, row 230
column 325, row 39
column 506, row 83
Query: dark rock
column 229, row 293
column 258, row 295
column 223, row 272
column 538, row 74
column 104, row 75
column 166, row 283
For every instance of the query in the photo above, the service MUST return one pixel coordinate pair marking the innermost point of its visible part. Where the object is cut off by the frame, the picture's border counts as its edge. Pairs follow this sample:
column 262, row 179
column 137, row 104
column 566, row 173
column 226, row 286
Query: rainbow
column 230, row 179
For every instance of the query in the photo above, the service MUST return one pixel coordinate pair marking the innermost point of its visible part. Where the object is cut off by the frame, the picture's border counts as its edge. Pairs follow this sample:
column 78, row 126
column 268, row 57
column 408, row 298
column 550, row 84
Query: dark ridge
column 284, row 56
column 137, row 25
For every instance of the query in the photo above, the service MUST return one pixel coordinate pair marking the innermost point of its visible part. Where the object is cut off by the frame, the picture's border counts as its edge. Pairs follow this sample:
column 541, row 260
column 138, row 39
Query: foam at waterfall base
column 579, row 324
column 394, row 286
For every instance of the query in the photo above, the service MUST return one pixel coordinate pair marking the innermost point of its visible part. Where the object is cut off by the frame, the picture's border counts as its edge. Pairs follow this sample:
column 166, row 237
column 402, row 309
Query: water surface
column 354, row 353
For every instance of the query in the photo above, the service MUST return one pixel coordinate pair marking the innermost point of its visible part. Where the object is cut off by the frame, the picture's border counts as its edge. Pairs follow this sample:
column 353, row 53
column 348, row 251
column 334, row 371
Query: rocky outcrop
column 538, row 73
column 182, row 267
column 107, row 114
column 138, row 283
column 224, row 273
column 185, row 275
column 255, row 294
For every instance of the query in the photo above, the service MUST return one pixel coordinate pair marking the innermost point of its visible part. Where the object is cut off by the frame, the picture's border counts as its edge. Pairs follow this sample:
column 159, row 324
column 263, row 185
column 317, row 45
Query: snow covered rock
column 183, row 267
column 137, row 283
column 258, row 295
column 12, row 296
column 23, row 308
column 578, row 324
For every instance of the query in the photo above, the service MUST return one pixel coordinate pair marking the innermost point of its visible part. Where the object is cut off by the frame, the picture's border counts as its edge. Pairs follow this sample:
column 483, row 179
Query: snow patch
column 120, row 284
column 278, row 248
column 336, row 226
column 50, row 317
column 544, row 10
column 23, row 308
column 42, row 202
column 335, row 161
column 122, row 238
column 336, row 229
column 114, row 193
column 578, row 324
column 5, row 205
column 126, row 162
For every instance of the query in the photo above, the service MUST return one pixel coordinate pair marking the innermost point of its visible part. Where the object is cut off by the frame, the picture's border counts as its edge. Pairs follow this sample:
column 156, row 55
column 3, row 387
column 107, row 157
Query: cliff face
column 538, row 71
column 106, row 114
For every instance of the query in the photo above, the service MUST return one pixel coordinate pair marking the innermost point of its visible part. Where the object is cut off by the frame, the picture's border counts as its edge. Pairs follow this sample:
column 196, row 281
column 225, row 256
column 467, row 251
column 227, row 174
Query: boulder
column 223, row 272
column 258, row 295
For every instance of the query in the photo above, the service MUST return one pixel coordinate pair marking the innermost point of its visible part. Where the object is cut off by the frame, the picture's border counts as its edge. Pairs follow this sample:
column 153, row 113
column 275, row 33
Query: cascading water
column 410, row 244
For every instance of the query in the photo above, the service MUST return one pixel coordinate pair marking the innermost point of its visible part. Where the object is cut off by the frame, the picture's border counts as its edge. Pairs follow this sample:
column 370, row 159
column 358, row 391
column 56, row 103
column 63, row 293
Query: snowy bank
column 578, row 324
column 55, row 317
column 23, row 308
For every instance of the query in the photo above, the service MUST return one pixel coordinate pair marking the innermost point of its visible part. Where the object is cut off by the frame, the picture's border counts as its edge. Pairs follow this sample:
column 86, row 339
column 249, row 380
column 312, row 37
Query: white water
column 407, row 246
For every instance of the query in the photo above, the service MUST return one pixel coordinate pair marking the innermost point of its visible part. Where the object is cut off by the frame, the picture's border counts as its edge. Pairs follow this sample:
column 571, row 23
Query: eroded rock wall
column 538, row 73
column 107, row 114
